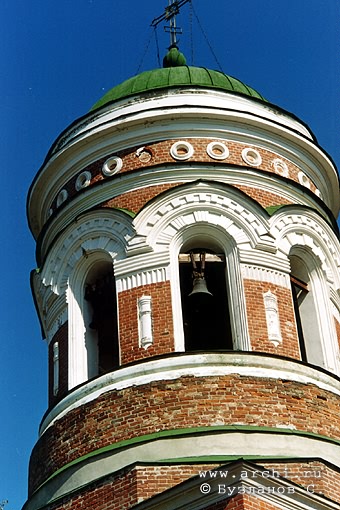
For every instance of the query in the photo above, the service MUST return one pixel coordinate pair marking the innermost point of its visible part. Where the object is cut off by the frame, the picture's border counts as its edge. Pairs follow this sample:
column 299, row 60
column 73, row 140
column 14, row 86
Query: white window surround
column 317, row 318
column 82, row 340
column 306, row 235
column 201, row 234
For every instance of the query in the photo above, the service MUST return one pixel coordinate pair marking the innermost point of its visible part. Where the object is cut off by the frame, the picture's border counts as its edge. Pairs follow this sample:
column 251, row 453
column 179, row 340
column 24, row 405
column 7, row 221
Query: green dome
column 181, row 76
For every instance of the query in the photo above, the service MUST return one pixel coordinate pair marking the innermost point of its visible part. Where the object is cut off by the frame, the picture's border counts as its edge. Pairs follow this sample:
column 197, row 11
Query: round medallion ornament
column 83, row 180
column 251, row 156
column 280, row 167
column 303, row 179
column 112, row 166
column 217, row 150
column 62, row 197
column 144, row 155
column 182, row 150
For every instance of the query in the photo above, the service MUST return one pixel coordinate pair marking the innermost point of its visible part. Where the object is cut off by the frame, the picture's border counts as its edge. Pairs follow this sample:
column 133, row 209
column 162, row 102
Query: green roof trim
column 273, row 208
column 179, row 76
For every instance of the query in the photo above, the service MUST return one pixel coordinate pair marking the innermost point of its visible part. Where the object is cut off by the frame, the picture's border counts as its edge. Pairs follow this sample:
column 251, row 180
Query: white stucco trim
column 197, row 365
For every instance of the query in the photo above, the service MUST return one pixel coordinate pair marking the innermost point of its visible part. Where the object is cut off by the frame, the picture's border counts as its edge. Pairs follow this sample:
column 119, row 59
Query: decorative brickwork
column 257, row 325
column 160, row 152
column 163, row 337
column 183, row 403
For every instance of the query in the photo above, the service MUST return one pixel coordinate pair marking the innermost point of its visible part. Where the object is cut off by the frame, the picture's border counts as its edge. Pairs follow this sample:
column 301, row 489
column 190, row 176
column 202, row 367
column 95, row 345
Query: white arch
column 211, row 213
column 206, row 202
column 305, row 234
column 102, row 229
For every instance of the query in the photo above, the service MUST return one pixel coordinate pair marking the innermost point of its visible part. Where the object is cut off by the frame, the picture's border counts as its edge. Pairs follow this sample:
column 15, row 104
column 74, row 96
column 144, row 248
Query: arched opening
column 100, row 320
column 204, row 298
column 306, row 311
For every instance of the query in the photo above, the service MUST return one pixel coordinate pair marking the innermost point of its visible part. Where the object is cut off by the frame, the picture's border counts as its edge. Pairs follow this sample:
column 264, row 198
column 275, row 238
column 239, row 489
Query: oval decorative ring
column 303, row 179
column 112, row 166
column 280, row 167
column 217, row 150
column 181, row 150
column 62, row 197
column 251, row 156
column 83, row 180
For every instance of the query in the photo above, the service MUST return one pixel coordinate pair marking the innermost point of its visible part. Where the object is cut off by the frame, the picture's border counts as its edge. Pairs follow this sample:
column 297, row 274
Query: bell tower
column 188, row 290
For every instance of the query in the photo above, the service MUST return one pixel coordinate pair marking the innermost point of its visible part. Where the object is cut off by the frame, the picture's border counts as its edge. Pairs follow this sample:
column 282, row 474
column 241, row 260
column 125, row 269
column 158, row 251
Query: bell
column 200, row 286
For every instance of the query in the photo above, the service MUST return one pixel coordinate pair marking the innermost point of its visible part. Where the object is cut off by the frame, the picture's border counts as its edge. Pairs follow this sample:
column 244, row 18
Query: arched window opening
column 205, row 310
column 100, row 319
column 299, row 293
column 306, row 313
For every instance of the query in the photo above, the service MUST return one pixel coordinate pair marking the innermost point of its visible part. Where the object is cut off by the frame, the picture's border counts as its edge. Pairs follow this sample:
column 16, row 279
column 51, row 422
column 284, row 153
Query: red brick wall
column 62, row 338
column 257, row 324
column 337, row 327
column 135, row 200
column 185, row 402
column 163, row 335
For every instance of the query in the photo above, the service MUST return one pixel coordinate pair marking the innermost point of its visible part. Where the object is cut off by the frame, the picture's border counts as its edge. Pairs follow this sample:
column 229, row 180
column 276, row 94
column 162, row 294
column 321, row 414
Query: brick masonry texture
column 257, row 324
column 183, row 403
column 135, row 200
column 139, row 483
column 160, row 152
column 337, row 327
column 163, row 336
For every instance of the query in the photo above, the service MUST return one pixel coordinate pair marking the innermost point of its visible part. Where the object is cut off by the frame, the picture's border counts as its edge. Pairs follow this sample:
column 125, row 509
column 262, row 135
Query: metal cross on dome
column 170, row 14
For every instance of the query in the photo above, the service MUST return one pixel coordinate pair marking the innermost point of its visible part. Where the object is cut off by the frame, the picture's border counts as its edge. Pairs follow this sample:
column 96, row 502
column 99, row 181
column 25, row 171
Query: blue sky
column 57, row 58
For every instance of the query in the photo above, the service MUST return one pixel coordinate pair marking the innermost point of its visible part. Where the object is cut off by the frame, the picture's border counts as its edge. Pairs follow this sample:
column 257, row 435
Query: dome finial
column 173, row 58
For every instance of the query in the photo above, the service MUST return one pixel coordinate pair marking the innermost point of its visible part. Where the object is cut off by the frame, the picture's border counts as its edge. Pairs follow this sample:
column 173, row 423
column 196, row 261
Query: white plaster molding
column 280, row 167
column 145, row 336
column 62, row 197
column 272, row 318
column 143, row 269
column 306, row 228
column 265, row 274
column 195, row 365
column 106, row 230
column 83, row 180
column 112, row 166
column 59, row 320
column 251, row 156
column 182, row 150
column 205, row 203
column 217, row 150
column 173, row 174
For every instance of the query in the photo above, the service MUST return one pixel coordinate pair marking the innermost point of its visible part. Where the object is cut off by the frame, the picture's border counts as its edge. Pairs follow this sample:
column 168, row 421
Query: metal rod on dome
column 170, row 14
